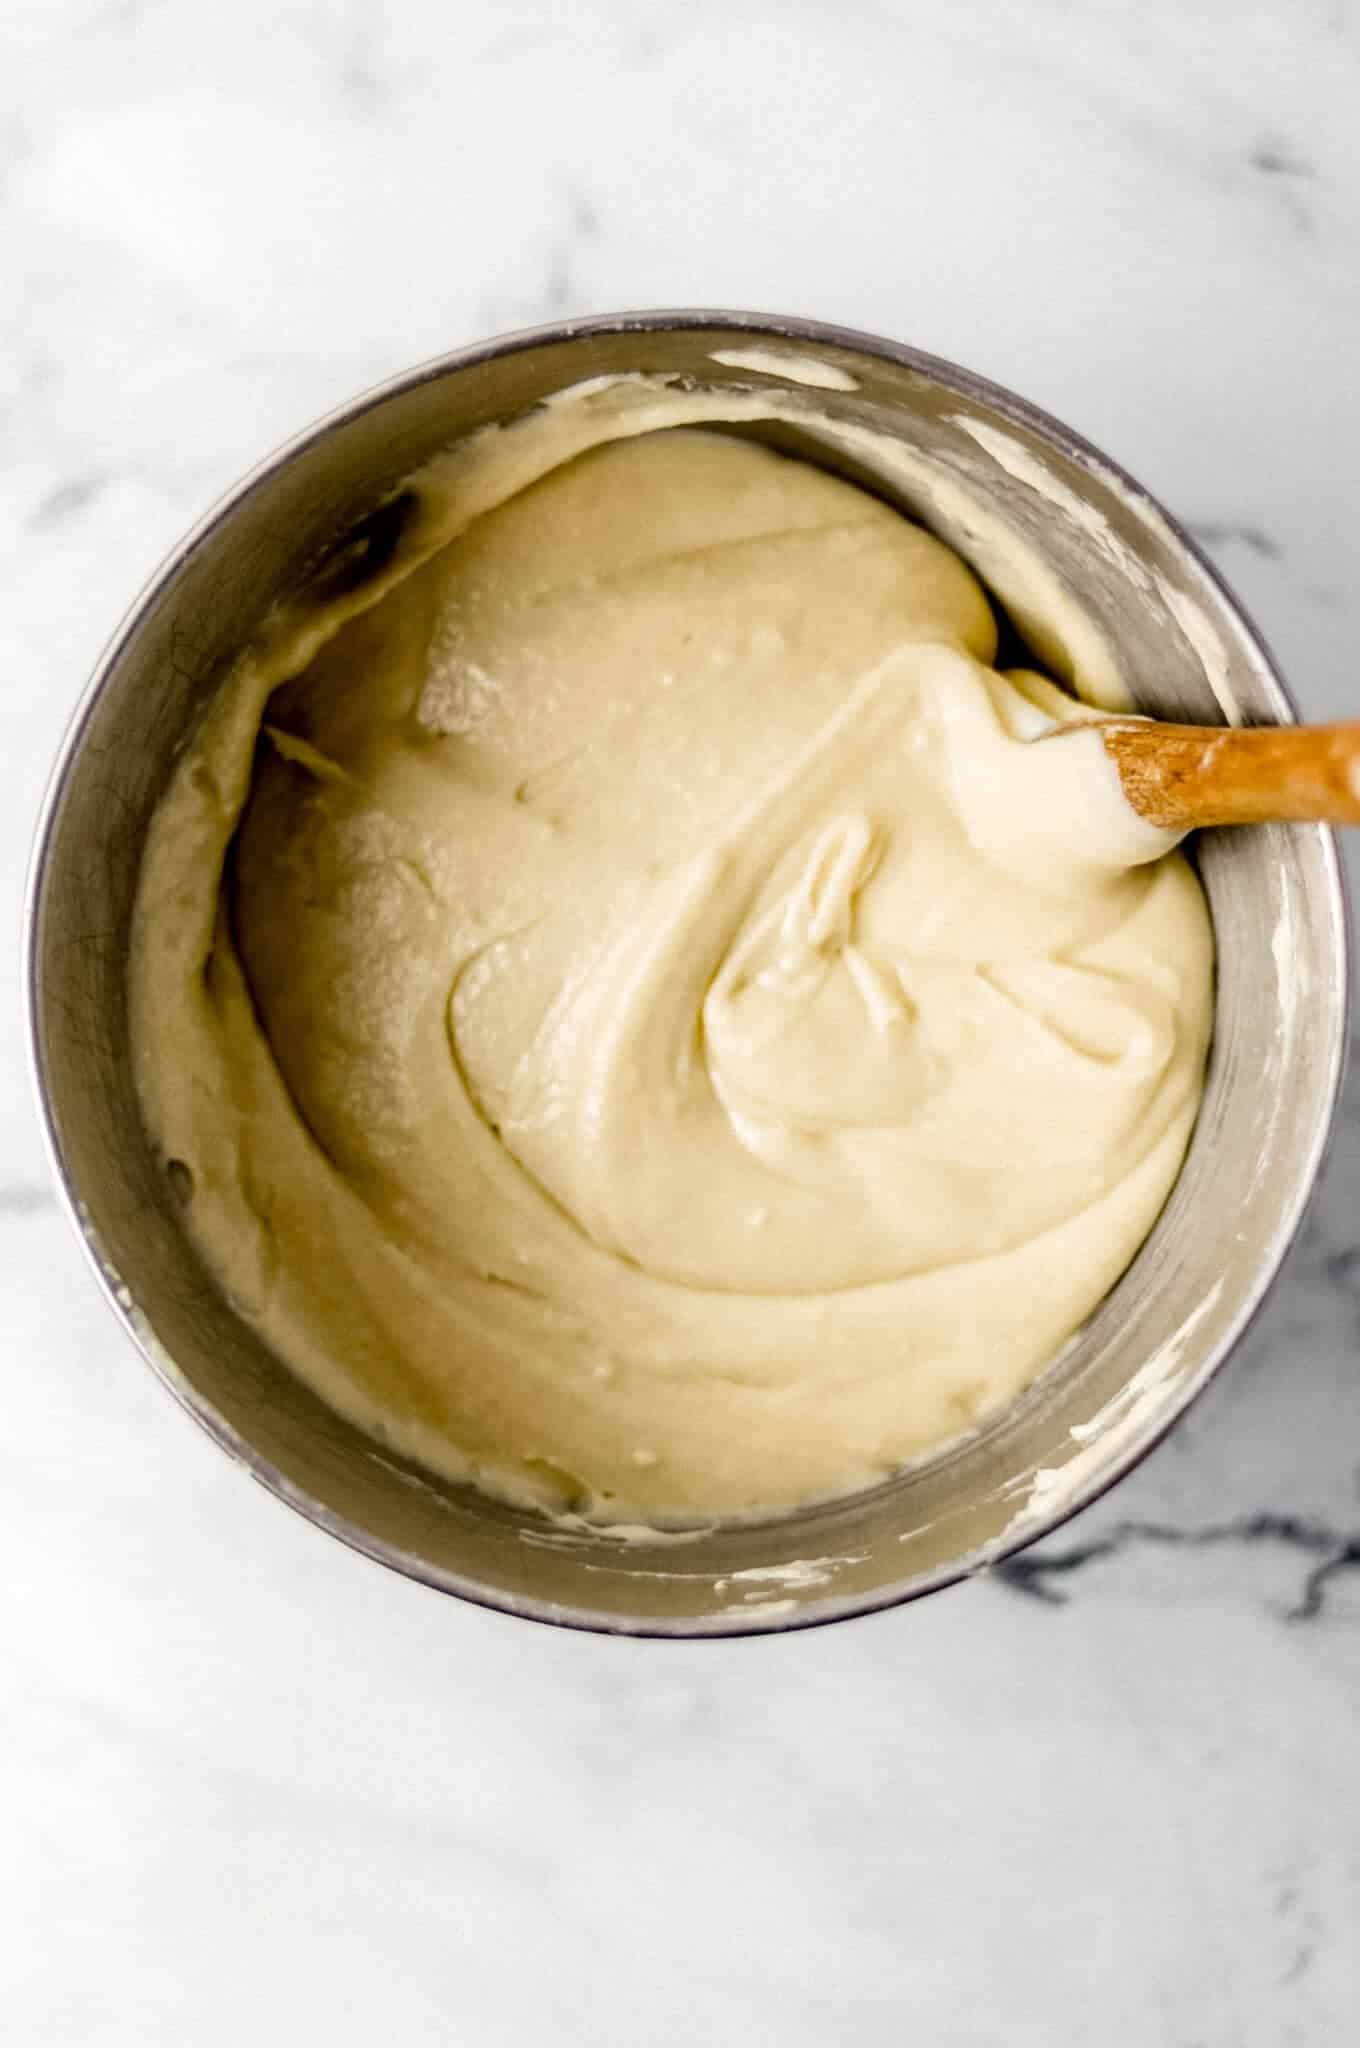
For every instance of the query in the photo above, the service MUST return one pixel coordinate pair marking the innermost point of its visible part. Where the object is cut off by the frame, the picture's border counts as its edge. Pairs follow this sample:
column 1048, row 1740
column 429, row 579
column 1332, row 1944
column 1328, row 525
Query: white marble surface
column 254, row 1787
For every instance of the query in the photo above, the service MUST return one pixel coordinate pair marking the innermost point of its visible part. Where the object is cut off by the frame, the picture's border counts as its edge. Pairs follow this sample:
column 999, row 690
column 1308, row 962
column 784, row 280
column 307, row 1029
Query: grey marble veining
column 254, row 1786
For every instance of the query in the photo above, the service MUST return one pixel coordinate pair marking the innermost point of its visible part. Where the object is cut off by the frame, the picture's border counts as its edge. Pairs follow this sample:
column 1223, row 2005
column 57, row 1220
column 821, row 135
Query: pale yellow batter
column 648, row 1023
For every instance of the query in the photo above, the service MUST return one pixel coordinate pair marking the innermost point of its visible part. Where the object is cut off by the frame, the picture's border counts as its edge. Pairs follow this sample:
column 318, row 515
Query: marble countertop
column 253, row 1786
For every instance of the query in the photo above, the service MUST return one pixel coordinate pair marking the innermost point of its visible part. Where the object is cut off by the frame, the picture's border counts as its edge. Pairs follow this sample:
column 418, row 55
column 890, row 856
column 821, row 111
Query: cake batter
column 638, row 1017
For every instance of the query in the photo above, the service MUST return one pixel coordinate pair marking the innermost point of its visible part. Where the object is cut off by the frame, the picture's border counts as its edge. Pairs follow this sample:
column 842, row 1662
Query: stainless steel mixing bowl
column 1278, row 908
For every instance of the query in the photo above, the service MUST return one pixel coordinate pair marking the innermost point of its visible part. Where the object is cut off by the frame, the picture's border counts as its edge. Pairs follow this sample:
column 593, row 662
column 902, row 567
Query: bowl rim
column 808, row 334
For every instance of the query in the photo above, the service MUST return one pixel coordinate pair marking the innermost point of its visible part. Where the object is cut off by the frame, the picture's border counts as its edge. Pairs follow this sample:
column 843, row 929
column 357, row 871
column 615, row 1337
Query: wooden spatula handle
column 1184, row 776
